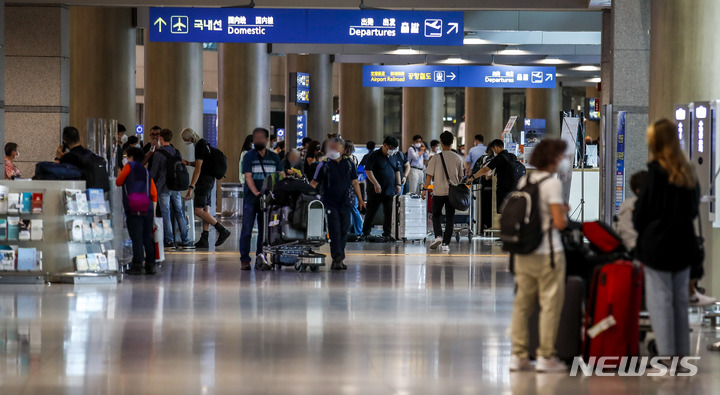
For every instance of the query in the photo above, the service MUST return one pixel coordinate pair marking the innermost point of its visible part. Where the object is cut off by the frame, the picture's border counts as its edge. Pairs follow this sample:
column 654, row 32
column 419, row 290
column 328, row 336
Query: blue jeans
column 251, row 212
column 357, row 221
column 668, row 300
column 338, row 225
column 171, row 207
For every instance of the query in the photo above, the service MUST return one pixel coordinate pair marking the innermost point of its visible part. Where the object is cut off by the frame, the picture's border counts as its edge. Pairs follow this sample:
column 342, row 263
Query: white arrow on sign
column 452, row 76
column 549, row 77
column 454, row 26
column 160, row 22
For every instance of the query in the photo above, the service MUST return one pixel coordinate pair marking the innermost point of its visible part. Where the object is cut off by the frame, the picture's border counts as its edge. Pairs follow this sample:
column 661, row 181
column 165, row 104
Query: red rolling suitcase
column 612, row 327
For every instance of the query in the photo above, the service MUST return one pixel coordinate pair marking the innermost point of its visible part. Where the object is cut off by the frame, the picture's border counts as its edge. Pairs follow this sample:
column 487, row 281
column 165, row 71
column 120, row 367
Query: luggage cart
column 463, row 225
column 288, row 246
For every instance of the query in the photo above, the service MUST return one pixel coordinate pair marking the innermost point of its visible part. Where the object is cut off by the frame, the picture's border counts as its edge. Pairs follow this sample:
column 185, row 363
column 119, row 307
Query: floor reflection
column 392, row 323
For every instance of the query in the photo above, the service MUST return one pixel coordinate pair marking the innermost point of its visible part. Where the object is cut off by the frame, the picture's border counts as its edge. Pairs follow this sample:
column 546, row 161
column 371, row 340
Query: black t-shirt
column 74, row 156
column 383, row 169
column 335, row 179
column 502, row 164
column 202, row 152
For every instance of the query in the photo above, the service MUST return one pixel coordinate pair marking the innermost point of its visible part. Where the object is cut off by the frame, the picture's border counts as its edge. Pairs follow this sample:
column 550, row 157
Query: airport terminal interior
column 409, row 314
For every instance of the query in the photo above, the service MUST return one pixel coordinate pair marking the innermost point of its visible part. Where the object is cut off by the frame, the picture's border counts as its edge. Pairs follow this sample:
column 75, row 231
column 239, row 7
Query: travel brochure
column 15, row 228
column 91, row 201
column 81, row 230
column 20, row 202
column 14, row 258
column 96, row 262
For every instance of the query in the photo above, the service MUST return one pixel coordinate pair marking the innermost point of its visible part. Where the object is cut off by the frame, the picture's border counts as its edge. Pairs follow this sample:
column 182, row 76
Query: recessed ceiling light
column 454, row 60
column 405, row 51
column 587, row 68
column 551, row 61
column 595, row 80
column 475, row 41
column 513, row 51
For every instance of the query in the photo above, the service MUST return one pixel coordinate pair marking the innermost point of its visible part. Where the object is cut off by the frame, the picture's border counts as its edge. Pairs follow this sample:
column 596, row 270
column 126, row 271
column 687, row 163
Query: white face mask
column 417, row 145
column 393, row 151
column 123, row 139
column 138, row 145
column 188, row 143
column 125, row 161
column 438, row 150
column 333, row 155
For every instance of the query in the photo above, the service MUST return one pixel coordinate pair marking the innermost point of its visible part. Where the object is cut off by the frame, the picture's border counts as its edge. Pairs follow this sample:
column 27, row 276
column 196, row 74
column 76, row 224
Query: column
column 687, row 27
column 37, row 80
column 294, row 64
column 243, row 98
column 361, row 108
column 422, row 113
column 174, row 89
column 102, row 65
column 545, row 104
column 483, row 114
column 321, row 97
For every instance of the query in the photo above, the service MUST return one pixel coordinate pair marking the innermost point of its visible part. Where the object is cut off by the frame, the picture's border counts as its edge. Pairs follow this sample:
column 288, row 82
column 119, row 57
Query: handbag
column 138, row 202
column 458, row 195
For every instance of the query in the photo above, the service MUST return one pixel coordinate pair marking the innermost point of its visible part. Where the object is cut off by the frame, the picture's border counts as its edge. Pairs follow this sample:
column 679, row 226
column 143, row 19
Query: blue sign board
column 459, row 76
column 280, row 133
column 257, row 25
column 620, row 163
column 301, row 129
column 303, row 88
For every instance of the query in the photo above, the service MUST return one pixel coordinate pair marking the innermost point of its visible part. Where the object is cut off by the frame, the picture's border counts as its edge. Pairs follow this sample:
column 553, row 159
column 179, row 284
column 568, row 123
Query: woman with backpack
column 539, row 274
column 667, row 244
column 139, row 201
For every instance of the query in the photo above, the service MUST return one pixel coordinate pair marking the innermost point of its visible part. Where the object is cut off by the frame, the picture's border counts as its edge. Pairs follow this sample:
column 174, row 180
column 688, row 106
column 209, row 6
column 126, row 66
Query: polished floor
column 399, row 321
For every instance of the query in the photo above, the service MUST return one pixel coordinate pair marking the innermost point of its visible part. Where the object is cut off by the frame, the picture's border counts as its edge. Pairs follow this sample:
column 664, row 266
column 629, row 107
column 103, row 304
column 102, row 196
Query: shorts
column 203, row 191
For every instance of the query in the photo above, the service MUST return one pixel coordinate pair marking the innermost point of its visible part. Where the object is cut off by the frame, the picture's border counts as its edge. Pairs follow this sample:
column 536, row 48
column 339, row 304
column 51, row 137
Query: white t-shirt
column 454, row 163
column 550, row 193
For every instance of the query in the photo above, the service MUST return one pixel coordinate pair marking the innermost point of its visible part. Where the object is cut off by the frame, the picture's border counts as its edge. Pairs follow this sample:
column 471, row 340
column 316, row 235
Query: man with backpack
column 92, row 167
column 202, row 183
column 508, row 171
column 171, row 177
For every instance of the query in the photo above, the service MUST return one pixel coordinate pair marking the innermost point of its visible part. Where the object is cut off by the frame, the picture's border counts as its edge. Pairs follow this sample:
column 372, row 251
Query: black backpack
column 521, row 230
column 94, row 169
column 518, row 170
column 177, row 177
column 217, row 162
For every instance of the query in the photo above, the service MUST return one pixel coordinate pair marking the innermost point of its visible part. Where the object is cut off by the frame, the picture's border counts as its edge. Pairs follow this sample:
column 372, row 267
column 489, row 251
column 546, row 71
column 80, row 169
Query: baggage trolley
column 287, row 245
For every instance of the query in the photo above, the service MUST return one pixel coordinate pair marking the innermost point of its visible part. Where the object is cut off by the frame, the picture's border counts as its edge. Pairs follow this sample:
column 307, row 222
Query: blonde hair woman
column 667, row 245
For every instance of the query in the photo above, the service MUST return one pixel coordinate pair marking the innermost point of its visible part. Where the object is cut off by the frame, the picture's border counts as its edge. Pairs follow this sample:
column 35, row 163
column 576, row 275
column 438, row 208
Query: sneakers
column 222, row 234
column 445, row 248
column 261, row 263
column 135, row 270
column 700, row 300
column 337, row 265
column 435, row 244
column 550, row 365
column 186, row 246
column 203, row 242
column 245, row 266
column 518, row 364
column 170, row 246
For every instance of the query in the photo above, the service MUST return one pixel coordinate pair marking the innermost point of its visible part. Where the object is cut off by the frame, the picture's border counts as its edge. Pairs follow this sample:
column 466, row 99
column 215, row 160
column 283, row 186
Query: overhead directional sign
column 459, row 76
column 257, row 25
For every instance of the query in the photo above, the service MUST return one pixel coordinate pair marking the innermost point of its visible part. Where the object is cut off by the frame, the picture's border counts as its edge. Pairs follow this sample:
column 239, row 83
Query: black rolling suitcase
column 569, row 335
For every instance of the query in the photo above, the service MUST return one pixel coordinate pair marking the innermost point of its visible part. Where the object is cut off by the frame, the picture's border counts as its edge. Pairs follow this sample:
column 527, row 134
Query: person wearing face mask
column 417, row 155
column 384, row 182
column 435, row 148
column 202, row 184
column 540, row 275
column 475, row 153
column 340, row 191
column 356, row 218
column 257, row 165
column 149, row 148
column 11, row 153
column 503, row 166
column 122, row 138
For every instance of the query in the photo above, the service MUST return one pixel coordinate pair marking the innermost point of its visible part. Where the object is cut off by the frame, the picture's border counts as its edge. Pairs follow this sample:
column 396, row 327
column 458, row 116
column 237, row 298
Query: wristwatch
column 191, row 187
